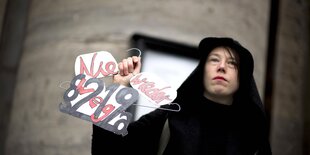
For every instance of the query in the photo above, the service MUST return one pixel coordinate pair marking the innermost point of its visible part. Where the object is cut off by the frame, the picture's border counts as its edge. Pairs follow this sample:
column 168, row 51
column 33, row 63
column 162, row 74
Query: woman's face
column 221, row 74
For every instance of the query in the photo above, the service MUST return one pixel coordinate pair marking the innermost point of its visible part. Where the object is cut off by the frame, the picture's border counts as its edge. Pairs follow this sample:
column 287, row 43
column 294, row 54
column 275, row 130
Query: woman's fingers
column 129, row 65
column 121, row 68
column 125, row 67
column 137, row 64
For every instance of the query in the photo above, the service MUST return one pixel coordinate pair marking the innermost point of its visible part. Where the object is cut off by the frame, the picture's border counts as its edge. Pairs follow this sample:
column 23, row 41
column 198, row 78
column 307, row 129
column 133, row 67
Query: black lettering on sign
column 110, row 104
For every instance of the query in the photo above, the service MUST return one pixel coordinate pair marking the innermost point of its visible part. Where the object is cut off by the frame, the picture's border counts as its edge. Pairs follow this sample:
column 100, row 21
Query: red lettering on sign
column 109, row 68
column 106, row 111
column 82, row 89
column 94, row 102
column 148, row 88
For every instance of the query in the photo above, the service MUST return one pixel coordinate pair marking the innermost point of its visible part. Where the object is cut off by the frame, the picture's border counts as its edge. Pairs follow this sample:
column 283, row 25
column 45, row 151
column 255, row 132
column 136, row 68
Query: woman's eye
column 232, row 63
column 214, row 60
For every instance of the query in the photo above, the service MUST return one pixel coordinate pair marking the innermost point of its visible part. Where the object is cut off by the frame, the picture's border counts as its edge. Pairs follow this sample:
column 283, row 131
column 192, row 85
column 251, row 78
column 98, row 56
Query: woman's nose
column 222, row 66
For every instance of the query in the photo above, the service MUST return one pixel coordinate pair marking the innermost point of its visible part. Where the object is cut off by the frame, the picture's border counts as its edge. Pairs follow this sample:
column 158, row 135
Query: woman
column 221, row 111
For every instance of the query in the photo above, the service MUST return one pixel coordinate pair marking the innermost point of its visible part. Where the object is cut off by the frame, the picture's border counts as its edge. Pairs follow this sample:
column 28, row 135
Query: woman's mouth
column 219, row 78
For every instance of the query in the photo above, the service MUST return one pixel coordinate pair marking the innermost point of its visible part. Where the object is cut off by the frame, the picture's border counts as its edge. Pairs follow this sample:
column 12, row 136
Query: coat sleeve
column 142, row 138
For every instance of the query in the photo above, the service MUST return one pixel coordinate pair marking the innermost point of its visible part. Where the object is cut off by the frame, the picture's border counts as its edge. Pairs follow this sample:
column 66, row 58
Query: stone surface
column 291, row 66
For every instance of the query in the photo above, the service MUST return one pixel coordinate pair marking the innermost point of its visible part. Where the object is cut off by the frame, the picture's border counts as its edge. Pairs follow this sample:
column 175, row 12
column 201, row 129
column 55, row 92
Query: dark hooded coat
column 202, row 127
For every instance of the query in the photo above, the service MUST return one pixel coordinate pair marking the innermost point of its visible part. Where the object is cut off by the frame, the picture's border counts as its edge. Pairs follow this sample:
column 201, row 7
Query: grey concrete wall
column 291, row 67
column 58, row 31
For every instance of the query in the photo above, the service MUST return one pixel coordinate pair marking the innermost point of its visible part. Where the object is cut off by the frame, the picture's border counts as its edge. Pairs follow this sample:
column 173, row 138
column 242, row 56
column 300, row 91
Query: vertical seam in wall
column 271, row 53
column 11, row 45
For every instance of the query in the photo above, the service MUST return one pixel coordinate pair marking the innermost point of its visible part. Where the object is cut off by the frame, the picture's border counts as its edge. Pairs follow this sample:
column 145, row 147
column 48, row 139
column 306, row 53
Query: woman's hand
column 127, row 69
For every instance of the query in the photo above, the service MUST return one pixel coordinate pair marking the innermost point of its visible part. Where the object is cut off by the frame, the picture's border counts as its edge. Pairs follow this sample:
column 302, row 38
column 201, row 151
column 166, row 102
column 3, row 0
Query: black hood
column 247, row 92
column 249, row 114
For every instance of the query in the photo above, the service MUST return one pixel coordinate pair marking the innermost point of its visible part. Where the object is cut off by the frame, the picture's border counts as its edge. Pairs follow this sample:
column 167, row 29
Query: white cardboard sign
column 103, row 105
column 153, row 88
column 90, row 99
column 96, row 65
